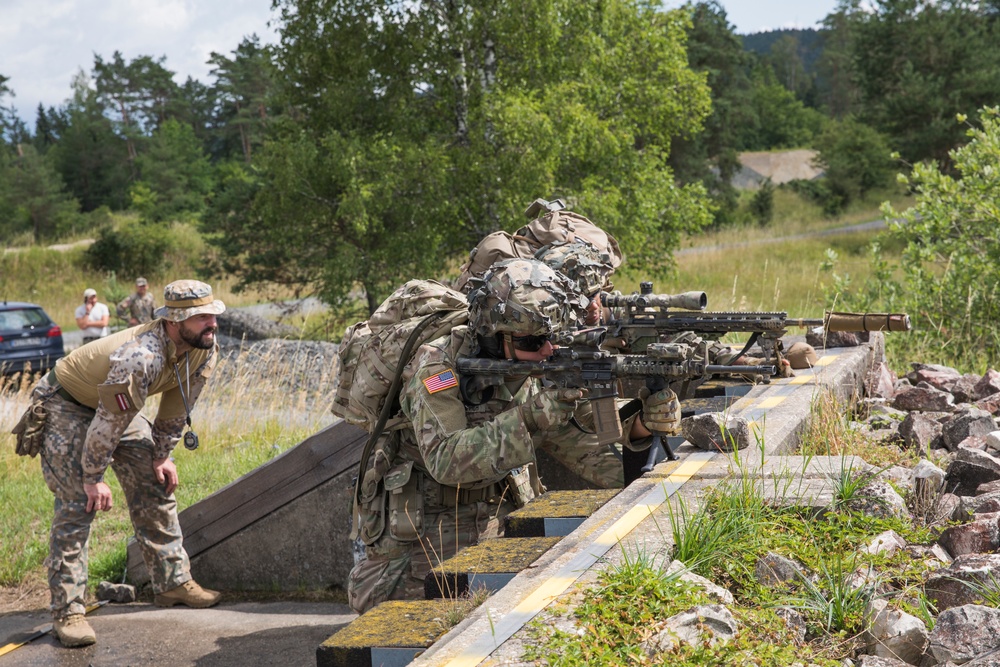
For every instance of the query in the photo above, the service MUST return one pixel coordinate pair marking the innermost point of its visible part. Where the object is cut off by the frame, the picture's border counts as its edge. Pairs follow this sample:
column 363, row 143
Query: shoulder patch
column 444, row 380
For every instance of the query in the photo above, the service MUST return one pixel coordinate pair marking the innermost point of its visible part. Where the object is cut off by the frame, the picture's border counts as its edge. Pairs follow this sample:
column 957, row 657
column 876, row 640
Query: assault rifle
column 580, row 362
column 639, row 320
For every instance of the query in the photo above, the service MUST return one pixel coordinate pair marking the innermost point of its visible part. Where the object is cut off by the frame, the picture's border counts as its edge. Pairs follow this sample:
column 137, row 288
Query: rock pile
column 955, row 489
column 256, row 350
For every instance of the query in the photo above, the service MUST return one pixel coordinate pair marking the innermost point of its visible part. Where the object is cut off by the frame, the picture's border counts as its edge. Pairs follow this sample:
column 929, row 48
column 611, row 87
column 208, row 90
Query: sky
column 44, row 43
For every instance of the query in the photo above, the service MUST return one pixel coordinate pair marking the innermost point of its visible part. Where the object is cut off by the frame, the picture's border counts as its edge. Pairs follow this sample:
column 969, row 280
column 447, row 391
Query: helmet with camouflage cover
column 580, row 261
column 524, row 297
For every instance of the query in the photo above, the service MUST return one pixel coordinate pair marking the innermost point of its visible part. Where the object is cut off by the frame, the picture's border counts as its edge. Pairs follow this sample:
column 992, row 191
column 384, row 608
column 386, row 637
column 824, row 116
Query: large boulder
column 964, row 633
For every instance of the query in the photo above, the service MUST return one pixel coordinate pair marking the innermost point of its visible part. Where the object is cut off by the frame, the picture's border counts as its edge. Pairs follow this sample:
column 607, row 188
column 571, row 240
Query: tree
column 419, row 127
column 174, row 174
column 856, row 159
column 950, row 264
column 90, row 156
column 243, row 88
column 785, row 59
column 35, row 197
column 781, row 120
column 711, row 156
column 141, row 93
column 919, row 62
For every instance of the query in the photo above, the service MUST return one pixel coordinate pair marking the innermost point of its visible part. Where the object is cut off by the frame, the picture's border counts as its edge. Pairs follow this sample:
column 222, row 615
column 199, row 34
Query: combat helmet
column 524, row 297
column 580, row 261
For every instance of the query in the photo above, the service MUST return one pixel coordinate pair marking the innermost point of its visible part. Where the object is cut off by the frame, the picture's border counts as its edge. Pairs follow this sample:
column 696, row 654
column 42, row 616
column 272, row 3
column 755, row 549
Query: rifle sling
column 753, row 339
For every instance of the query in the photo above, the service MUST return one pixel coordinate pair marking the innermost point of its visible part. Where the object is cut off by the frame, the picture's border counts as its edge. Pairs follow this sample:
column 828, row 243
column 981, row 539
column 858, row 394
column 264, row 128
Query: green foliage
column 131, row 249
column 33, row 198
column 856, row 160
column 428, row 128
column 779, row 120
column 948, row 277
column 835, row 600
column 917, row 63
column 175, row 176
column 762, row 203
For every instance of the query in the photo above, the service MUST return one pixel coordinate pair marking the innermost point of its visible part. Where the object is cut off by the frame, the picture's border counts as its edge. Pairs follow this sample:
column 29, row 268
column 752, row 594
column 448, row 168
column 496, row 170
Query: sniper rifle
column 580, row 362
column 639, row 320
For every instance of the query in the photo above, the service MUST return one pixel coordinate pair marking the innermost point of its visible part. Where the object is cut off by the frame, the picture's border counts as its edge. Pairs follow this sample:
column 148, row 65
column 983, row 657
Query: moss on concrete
column 398, row 623
column 511, row 554
column 563, row 504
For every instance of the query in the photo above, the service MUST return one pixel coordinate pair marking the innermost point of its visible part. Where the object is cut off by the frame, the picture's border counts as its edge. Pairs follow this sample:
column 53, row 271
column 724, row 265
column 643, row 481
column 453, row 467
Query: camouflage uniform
column 93, row 398
column 138, row 308
column 440, row 483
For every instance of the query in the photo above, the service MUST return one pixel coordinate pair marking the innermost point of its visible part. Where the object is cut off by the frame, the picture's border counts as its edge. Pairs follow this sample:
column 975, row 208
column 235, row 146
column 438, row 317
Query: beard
column 198, row 339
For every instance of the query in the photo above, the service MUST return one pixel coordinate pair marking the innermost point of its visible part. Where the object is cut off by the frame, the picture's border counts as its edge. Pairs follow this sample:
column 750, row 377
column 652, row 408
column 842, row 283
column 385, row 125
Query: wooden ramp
column 283, row 526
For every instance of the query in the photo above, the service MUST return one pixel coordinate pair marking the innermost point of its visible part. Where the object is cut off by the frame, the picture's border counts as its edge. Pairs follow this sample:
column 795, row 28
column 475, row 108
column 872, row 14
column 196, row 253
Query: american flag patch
column 441, row 381
column 123, row 403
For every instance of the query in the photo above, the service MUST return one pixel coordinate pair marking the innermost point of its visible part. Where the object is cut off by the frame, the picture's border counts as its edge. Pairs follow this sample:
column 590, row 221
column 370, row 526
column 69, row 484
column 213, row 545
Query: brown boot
column 74, row 630
column 189, row 593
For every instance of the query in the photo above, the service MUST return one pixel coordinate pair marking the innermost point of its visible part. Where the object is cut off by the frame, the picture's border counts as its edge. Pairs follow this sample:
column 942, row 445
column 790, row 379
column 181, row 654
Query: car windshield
column 22, row 318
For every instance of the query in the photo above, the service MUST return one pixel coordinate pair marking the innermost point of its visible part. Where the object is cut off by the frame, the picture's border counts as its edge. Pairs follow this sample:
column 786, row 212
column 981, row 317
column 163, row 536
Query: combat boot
column 74, row 630
column 189, row 593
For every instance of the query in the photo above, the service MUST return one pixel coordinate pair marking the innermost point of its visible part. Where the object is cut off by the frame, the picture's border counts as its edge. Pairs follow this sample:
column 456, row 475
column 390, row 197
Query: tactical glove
column 661, row 411
column 550, row 409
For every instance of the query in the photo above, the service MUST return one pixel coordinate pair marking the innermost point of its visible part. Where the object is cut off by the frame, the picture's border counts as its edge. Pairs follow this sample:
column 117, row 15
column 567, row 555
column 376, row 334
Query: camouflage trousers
column 152, row 511
column 394, row 570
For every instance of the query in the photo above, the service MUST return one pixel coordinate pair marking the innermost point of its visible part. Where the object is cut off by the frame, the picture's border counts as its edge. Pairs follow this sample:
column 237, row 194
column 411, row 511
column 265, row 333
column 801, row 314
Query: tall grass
column 249, row 413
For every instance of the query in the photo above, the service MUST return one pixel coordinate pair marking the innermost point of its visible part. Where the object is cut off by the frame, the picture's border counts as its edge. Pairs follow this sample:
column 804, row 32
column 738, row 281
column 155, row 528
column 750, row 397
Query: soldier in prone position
column 90, row 403
column 450, row 475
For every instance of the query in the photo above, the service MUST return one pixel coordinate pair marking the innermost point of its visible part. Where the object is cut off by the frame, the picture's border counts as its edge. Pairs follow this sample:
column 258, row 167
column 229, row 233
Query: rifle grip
column 607, row 424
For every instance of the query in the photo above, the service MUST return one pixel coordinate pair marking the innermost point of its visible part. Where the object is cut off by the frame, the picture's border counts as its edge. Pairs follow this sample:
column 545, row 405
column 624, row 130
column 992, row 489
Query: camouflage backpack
column 556, row 225
column 373, row 352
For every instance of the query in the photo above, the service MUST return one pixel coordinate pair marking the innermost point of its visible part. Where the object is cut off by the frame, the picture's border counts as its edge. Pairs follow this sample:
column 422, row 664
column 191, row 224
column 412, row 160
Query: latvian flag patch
column 124, row 404
column 441, row 381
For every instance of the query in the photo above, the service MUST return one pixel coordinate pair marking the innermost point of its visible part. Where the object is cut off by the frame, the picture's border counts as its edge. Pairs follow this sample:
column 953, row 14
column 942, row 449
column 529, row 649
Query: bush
column 133, row 249
column 856, row 159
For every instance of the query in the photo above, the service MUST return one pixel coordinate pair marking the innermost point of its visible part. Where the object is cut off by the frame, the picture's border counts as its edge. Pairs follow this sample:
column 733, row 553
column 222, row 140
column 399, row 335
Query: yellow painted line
column 802, row 379
column 826, row 360
column 500, row 631
column 770, row 402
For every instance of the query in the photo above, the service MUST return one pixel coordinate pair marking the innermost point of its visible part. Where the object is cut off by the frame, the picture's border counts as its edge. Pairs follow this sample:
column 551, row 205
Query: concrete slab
column 236, row 635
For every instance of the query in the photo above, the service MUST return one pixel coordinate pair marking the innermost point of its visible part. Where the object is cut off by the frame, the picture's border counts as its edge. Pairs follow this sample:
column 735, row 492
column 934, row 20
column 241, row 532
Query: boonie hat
column 139, row 282
column 89, row 292
column 187, row 298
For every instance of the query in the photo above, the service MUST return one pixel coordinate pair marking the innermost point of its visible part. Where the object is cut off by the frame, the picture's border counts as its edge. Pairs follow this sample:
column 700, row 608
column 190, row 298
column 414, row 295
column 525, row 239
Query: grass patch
column 244, row 419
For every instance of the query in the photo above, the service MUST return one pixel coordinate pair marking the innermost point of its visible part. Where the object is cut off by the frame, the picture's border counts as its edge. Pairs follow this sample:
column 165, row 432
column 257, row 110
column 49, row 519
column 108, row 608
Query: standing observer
column 85, row 416
column 138, row 308
column 92, row 316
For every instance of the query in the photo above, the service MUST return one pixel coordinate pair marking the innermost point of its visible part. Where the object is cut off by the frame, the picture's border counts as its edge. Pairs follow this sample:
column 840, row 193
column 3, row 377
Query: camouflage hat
column 187, row 298
column 140, row 281
column 580, row 261
column 524, row 297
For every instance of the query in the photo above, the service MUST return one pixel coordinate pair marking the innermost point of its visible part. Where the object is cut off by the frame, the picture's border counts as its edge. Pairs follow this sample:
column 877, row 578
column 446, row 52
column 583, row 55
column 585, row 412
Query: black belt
column 61, row 390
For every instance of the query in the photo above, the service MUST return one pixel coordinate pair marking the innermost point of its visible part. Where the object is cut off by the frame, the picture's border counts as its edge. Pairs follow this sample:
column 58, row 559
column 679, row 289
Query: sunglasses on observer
column 529, row 343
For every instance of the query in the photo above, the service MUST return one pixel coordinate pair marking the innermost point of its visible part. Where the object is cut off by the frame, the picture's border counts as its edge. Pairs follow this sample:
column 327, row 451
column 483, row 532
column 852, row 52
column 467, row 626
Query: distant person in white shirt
column 92, row 317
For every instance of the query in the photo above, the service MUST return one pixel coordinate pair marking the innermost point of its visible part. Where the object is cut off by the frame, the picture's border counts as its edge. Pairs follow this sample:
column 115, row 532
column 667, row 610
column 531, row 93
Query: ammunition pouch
column 30, row 430
column 520, row 486
column 369, row 514
column 406, row 502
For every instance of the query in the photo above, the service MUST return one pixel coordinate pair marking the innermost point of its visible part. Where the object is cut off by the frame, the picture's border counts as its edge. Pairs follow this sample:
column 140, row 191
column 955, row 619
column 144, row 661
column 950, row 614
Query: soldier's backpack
column 373, row 352
column 556, row 225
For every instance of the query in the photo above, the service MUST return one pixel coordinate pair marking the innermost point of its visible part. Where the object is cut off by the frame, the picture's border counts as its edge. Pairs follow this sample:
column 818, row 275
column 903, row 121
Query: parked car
column 29, row 339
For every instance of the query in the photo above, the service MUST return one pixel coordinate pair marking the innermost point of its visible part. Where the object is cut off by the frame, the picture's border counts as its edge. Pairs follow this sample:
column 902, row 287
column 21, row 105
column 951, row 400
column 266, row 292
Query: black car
column 29, row 339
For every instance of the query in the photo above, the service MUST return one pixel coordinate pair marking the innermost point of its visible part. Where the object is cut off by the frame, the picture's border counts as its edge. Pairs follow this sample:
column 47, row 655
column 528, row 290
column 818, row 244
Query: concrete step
column 391, row 634
column 489, row 564
column 555, row 513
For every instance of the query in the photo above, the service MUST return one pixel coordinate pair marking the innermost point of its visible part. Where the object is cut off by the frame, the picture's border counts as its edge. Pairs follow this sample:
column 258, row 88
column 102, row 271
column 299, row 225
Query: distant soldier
column 139, row 307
